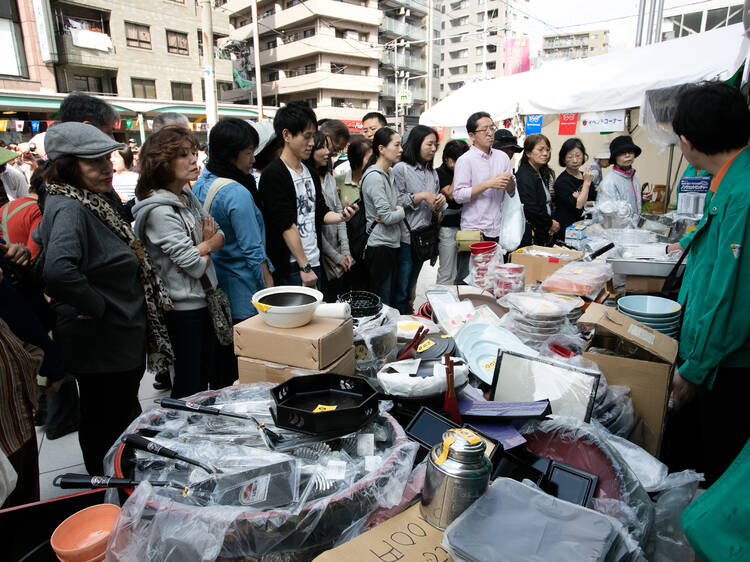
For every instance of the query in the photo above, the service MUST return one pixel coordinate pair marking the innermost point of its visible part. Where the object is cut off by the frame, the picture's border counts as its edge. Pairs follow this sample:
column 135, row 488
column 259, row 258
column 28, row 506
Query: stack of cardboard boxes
column 265, row 353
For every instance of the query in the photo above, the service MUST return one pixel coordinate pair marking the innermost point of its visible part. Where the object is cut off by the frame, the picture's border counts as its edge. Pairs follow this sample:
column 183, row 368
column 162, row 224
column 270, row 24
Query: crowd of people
column 132, row 277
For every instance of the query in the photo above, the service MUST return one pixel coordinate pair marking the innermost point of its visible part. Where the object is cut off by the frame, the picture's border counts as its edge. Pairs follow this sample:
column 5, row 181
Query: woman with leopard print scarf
column 107, row 297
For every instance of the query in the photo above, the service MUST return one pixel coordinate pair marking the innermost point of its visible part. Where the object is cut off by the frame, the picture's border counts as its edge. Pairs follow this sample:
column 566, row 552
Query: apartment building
column 323, row 52
column 463, row 52
column 575, row 45
column 135, row 48
column 27, row 63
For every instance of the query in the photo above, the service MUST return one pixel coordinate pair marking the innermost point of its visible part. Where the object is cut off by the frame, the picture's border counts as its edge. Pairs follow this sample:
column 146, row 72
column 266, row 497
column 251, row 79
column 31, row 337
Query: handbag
column 465, row 238
column 332, row 269
column 217, row 300
column 425, row 242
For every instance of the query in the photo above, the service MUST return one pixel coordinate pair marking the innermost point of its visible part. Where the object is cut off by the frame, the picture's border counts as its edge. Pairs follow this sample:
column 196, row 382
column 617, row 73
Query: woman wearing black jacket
column 533, row 179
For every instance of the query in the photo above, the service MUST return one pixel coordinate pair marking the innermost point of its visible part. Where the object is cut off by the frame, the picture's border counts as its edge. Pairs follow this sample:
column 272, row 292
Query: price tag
column 425, row 345
column 365, row 444
column 323, row 408
column 445, row 336
column 409, row 326
column 642, row 334
column 578, row 271
column 490, row 365
column 336, row 470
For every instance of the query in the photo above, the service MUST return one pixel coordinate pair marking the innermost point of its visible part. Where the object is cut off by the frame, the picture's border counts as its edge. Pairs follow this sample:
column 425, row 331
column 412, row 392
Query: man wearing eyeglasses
column 482, row 177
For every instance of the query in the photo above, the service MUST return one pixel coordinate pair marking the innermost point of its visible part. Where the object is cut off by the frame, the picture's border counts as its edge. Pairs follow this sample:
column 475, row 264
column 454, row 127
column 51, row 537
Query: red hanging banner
column 568, row 124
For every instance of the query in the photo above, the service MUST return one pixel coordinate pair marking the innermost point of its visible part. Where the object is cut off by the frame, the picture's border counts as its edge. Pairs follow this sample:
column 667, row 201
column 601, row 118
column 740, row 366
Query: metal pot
column 458, row 472
column 290, row 306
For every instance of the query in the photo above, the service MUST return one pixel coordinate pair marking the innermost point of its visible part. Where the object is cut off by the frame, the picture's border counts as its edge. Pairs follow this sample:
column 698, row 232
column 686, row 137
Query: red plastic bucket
column 482, row 247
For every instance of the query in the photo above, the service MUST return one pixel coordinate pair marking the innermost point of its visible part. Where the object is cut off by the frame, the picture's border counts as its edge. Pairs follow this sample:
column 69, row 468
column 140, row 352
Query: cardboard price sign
column 404, row 538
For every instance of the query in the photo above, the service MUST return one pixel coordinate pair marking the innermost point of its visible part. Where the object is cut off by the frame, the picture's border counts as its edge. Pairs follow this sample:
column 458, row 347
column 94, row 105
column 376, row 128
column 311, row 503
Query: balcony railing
column 390, row 91
column 402, row 29
column 404, row 61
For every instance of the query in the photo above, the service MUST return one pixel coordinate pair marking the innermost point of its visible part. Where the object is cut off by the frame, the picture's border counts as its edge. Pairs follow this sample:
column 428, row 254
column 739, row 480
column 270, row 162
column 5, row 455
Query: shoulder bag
column 219, row 308
column 425, row 240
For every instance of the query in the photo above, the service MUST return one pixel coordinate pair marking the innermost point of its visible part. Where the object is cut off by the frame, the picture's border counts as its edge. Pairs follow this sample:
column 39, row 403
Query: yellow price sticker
column 444, row 336
column 323, row 408
column 490, row 365
column 578, row 271
column 409, row 326
column 425, row 345
column 690, row 229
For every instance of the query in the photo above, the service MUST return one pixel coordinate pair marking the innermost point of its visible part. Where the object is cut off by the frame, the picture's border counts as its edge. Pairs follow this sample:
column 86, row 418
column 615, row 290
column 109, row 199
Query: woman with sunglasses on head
column 534, row 178
column 180, row 236
column 419, row 194
column 383, row 214
column 336, row 259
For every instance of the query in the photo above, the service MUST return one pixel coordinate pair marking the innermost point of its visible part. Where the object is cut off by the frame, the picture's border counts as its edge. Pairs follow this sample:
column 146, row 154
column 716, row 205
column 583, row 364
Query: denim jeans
column 408, row 273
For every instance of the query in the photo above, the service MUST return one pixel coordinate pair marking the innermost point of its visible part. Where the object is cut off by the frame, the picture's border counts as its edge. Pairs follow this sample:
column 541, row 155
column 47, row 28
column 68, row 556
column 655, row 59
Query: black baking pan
column 326, row 403
column 438, row 348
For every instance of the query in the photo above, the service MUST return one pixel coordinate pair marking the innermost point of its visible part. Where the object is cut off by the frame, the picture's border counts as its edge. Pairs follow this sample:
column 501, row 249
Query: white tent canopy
column 613, row 81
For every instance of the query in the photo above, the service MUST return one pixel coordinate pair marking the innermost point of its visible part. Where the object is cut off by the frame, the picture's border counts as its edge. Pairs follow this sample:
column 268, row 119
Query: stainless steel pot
column 458, row 472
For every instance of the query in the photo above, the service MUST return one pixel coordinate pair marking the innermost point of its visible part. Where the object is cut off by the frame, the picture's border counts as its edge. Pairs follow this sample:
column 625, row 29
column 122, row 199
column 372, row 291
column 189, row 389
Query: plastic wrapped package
column 579, row 278
column 403, row 378
column 629, row 236
column 619, row 492
column 375, row 341
column 482, row 267
column 339, row 484
column 648, row 469
column 537, row 305
column 612, row 213
column 535, row 333
column 514, row 521
column 615, row 411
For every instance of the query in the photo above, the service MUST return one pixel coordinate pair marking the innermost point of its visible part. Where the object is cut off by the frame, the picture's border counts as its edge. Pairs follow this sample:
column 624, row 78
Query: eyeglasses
column 491, row 130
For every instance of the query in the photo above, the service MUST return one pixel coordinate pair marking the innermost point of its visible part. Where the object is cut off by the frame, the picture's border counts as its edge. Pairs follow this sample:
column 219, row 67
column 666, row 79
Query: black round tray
column 362, row 303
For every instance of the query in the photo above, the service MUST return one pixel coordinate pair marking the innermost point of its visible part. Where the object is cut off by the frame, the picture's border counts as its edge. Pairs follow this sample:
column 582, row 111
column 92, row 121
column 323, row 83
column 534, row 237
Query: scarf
column 160, row 355
column 230, row 171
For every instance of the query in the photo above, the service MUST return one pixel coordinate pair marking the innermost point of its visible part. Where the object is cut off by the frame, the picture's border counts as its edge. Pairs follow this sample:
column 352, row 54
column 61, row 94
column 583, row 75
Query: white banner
column 602, row 121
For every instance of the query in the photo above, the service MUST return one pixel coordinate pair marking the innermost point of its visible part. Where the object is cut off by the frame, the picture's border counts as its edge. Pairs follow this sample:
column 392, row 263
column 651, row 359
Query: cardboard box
column 538, row 268
column 407, row 537
column 648, row 373
column 255, row 370
column 640, row 285
column 313, row 346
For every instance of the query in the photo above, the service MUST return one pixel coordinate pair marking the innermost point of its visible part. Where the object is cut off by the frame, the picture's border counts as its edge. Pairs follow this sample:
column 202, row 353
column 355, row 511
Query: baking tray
column 325, row 403
column 644, row 268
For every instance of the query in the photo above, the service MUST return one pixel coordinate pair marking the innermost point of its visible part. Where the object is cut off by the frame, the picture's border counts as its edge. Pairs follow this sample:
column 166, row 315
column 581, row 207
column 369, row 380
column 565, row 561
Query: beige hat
column 603, row 152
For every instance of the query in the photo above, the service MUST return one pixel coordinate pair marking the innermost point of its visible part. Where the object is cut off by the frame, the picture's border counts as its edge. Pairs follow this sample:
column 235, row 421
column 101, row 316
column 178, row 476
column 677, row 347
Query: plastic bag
column 579, row 278
column 343, row 482
column 8, row 478
column 512, row 223
column 482, row 268
column 513, row 521
column 375, row 341
column 406, row 383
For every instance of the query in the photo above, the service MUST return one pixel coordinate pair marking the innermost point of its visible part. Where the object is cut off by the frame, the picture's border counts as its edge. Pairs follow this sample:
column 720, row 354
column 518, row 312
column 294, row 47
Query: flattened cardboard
column 255, row 370
column 407, row 537
column 538, row 268
column 649, row 380
column 313, row 346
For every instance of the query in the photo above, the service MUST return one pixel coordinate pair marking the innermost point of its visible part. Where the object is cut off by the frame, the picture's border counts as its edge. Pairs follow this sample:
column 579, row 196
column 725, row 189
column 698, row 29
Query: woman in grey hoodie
column 383, row 214
column 180, row 237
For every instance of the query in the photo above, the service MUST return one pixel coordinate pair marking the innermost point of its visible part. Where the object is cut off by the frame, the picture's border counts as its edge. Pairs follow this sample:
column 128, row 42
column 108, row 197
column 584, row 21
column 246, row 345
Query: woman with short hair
column 104, row 288
column 180, row 236
column 572, row 185
column 226, row 189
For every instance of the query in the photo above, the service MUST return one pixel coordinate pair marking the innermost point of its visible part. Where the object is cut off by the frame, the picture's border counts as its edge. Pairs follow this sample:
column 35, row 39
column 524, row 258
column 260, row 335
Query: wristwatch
column 307, row 268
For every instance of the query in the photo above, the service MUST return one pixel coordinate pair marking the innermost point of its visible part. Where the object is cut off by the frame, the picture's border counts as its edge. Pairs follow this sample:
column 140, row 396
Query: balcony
column 405, row 62
column 416, row 6
column 70, row 53
column 396, row 28
column 390, row 91
column 318, row 44
column 323, row 80
column 340, row 11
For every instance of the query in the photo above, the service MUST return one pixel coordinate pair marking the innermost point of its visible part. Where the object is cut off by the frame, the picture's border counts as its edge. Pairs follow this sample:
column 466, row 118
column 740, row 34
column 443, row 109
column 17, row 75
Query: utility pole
column 395, row 79
column 209, row 77
column 256, row 58
column 651, row 17
column 639, row 25
column 659, row 19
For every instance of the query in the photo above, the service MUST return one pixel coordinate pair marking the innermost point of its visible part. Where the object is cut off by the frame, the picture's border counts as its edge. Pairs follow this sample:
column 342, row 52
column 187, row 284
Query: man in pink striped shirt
column 482, row 177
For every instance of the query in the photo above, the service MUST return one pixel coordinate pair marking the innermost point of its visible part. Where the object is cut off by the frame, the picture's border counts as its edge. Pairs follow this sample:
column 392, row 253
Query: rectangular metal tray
column 643, row 267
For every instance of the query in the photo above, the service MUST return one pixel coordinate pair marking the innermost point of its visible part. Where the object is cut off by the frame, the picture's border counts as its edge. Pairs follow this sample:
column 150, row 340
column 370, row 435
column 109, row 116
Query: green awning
column 189, row 110
column 31, row 103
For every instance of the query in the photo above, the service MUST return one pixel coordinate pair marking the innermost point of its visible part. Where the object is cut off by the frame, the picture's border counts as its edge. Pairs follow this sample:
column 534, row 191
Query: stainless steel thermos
column 458, row 472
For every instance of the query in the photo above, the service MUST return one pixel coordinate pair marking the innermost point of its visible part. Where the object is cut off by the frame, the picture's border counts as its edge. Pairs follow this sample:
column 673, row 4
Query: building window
column 271, row 44
column 87, row 84
column 463, row 69
column 338, row 68
column 182, row 91
column 269, row 12
column 338, row 102
column 144, row 88
column 291, row 3
column 721, row 17
column 462, row 54
column 292, row 73
column 491, row 65
column 137, row 35
column 456, row 22
column 177, row 43
column 310, row 68
column 364, row 37
column 13, row 62
column 312, row 102
column 491, row 48
column 308, row 32
column 687, row 24
column 453, row 86
column 479, row 50
column 272, row 76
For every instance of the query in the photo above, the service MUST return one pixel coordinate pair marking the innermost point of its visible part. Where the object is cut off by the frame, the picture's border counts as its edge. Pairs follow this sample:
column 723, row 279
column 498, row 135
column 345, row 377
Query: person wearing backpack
column 383, row 214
